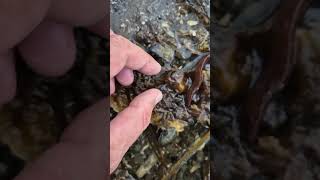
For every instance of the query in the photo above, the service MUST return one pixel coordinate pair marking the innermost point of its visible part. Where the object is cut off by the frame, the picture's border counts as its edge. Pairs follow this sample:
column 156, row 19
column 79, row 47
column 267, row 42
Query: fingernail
column 159, row 98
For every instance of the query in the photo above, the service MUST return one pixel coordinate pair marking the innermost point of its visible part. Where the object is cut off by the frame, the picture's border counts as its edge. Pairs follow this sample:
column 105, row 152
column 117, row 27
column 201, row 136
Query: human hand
column 127, row 126
column 41, row 30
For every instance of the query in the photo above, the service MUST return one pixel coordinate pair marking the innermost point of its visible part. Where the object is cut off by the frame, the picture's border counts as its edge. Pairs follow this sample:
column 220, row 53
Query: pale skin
column 131, row 122
column 41, row 30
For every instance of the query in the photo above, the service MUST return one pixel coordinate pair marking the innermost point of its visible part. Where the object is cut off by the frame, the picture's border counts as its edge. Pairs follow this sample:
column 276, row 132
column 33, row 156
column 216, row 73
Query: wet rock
column 183, row 53
column 167, row 136
column 163, row 51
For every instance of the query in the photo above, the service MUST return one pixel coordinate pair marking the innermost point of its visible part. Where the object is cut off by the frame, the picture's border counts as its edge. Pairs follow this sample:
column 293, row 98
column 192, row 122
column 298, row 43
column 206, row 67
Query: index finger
column 123, row 53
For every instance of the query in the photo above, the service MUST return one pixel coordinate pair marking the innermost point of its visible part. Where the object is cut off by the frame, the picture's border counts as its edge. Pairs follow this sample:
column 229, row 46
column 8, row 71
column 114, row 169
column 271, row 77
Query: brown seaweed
column 278, row 48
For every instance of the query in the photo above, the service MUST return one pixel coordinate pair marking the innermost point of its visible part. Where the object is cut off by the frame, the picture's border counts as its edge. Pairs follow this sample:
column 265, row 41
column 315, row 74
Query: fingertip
column 159, row 96
column 50, row 49
column 151, row 68
column 124, row 53
column 148, row 99
column 125, row 77
column 139, row 60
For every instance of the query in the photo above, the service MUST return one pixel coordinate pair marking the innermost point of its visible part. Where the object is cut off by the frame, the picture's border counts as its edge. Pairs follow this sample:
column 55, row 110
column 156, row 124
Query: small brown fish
column 197, row 79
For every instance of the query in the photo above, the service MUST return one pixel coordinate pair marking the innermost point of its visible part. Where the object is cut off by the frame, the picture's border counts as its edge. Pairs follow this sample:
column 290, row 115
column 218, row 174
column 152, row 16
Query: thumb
column 130, row 123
